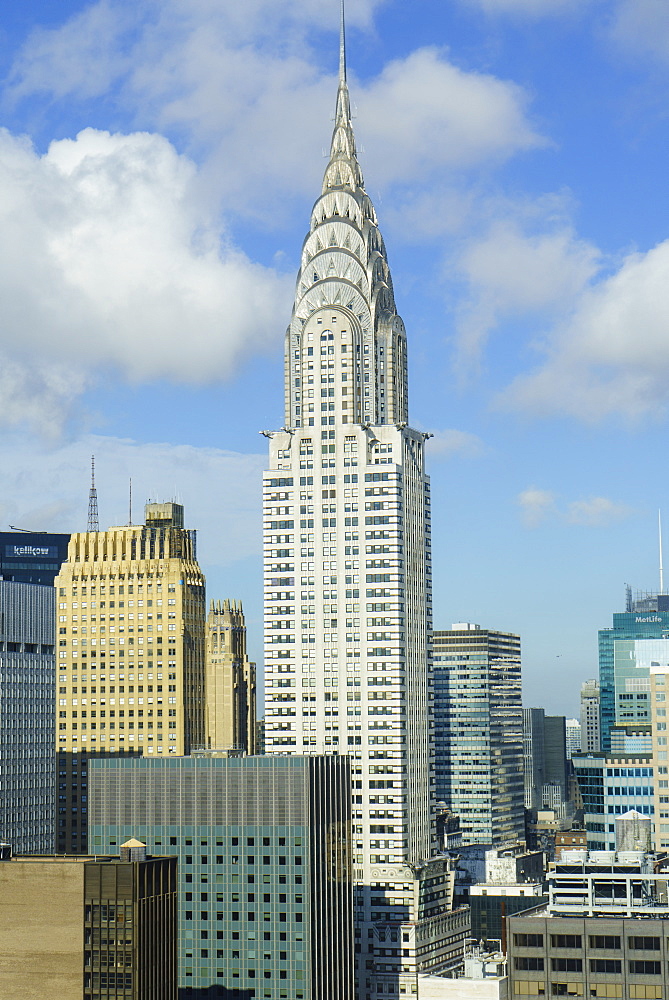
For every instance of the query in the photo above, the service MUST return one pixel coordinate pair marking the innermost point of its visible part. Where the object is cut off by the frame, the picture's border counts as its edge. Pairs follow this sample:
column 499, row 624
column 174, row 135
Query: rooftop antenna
column 130, row 504
column 659, row 529
column 93, row 520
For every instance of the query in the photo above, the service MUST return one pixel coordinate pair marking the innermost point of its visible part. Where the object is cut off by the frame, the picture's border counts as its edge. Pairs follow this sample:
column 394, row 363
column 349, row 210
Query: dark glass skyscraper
column 31, row 556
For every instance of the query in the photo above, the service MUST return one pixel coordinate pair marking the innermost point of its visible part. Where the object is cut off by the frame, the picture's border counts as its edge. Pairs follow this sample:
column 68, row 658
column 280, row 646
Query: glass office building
column 625, row 686
column 31, row 556
column 479, row 732
column 27, row 728
column 265, row 892
column 611, row 785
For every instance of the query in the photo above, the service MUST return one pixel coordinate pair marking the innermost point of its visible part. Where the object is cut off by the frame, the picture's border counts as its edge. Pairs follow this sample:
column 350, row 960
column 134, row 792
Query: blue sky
column 158, row 163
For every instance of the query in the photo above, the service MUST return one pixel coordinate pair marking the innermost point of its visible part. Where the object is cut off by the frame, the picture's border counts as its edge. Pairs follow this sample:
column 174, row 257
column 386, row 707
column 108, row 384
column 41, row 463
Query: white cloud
column 642, row 25
column 532, row 8
column 38, row 394
column 82, row 56
column 198, row 477
column 535, row 505
column 612, row 356
column 90, row 51
column 596, row 511
column 116, row 250
column 446, row 443
column 433, row 115
column 108, row 258
column 511, row 272
column 235, row 82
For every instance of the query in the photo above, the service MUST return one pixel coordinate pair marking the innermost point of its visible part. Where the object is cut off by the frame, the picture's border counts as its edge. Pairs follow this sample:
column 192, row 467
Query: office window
column 528, row 940
column 529, row 962
column 608, row 942
column 606, row 965
column 567, row 964
column 566, row 941
column 644, row 943
column 645, row 967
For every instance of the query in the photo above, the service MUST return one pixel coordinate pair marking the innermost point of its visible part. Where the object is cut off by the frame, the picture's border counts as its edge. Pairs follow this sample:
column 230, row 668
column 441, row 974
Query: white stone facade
column 347, row 562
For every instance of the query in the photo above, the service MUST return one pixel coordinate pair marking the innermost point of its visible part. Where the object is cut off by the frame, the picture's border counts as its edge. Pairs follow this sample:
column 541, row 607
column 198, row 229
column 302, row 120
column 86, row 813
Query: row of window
column 603, row 991
column 610, row 942
column 602, row 966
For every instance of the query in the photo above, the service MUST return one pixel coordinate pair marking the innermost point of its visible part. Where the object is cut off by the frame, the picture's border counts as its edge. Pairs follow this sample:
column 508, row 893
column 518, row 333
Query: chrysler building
column 347, row 571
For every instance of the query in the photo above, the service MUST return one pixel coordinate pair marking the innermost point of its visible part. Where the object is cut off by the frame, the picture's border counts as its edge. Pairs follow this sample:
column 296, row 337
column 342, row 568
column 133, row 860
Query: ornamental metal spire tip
column 342, row 47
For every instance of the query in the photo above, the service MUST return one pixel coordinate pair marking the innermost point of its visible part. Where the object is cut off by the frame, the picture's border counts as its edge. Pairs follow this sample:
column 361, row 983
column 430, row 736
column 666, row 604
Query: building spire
column 342, row 48
column 93, row 521
column 343, row 170
column 344, row 269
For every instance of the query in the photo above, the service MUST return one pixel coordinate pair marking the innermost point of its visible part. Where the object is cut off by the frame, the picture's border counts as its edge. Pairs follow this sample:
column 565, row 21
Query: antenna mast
column 93, row 521
column 659, row 529
column 130, row 505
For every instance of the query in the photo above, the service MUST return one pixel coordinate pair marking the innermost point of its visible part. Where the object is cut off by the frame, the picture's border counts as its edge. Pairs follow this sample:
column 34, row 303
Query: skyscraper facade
column 27, row 695
column 347, row 552
column 131, row 616
column 479, row 731
column 130, row 657
column 230, row 681
column 31, row 556
column 573, row 736
column 590, row 721
column 265, row 900
column 624, row 686
column 534, row 767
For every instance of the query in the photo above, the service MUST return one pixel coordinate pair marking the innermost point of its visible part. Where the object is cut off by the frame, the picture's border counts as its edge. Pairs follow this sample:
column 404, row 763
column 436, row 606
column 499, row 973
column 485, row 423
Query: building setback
column 27, row 695
column 265, row 899
column 101, row 929
column 479, row 731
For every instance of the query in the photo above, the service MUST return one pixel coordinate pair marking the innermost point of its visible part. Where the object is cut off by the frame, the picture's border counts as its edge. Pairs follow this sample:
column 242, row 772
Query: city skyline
column 494, row 188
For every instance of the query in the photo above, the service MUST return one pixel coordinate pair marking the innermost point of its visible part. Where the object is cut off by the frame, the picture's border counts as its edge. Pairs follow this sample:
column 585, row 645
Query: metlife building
column 624, row 683
column 31, row 556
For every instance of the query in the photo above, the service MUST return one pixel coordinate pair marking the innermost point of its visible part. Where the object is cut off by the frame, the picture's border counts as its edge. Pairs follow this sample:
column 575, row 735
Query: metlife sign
column 31, row 552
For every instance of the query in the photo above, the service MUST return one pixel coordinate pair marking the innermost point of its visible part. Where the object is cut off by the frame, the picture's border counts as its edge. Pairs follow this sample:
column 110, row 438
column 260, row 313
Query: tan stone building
column 230, row 681
column 91, row 927
column 130, row 654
